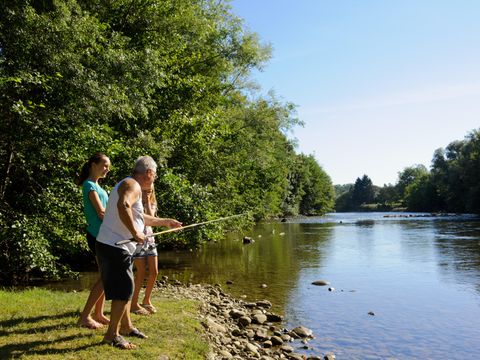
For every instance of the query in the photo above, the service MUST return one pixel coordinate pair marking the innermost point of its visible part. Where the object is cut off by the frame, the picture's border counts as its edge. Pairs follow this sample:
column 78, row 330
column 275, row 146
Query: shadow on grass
column 34, row 319
column 19, row 349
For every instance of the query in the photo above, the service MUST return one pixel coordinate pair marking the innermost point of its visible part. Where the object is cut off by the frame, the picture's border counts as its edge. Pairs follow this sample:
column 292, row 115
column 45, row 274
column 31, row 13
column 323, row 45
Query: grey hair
column 144, row 163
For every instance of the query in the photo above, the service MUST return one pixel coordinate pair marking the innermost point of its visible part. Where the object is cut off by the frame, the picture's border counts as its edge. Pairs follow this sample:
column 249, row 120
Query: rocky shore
column 237, row 329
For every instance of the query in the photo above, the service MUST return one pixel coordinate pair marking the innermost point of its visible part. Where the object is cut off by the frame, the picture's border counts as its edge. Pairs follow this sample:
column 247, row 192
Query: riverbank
column 193, row 322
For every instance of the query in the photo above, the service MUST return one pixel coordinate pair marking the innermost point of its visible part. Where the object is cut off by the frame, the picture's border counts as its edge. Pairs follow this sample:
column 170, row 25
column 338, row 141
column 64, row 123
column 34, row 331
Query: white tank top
column 113, row 229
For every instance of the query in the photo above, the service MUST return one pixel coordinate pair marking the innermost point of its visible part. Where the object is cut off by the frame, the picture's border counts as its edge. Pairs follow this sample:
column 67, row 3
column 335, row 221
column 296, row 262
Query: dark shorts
column 91, row 240
column 116, row 272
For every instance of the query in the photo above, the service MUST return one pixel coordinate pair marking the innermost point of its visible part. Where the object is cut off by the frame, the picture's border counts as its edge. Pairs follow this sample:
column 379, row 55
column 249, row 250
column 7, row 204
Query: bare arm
column 155, row 221
column 128, row 193
column 97, row 204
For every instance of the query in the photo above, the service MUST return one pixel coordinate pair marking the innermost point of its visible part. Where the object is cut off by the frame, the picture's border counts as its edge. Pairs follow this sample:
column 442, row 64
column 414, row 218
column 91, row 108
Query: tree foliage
column 168, row 78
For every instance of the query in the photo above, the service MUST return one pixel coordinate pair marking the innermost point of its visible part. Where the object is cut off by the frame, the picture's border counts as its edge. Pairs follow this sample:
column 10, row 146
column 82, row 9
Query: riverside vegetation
column 167, row 78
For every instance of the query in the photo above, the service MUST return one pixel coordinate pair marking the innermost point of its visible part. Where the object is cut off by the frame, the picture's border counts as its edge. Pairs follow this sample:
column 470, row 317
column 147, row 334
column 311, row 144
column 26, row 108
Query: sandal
column 150, row 308
column 137, row 333
column 119, row 342
column 140, row 311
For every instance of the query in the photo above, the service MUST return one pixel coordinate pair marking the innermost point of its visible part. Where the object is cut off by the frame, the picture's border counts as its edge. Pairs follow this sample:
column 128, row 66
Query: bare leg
column 140, row 265
column 152, row 277
column 118, row 312
column 85, row 318
column 99, row 307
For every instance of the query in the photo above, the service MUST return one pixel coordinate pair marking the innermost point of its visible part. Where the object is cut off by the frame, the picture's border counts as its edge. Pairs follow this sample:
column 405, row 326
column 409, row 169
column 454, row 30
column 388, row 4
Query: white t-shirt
column 113, row 229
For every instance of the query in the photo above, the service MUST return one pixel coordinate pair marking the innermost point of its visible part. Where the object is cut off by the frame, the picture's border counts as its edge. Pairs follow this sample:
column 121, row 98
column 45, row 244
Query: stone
column 229, row 282
column 244, row 321
column 267, row 344
column 331, row 289
column 214, row 327
column 295, row 356
column 247, row 240
column 261, row 335
column 264, row 304
column 329, row 356
column 259, row 318
column 320, row 282
column 286, row 348
column 286, row 337
column 302, row 331
column 371, row 313
column 274, row 317
column 276, row 340
column 251, row 348
column 236, row 314
column 225, row 354
column 264, row 286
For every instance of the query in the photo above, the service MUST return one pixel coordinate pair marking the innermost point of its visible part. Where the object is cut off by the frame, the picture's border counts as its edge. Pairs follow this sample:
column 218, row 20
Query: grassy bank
column 39, row 323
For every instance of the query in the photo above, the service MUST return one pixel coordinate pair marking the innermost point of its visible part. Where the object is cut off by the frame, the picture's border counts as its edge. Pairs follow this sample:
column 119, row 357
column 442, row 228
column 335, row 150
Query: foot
column 102, row 319
column 150, row 308
column 139, row 311
column 134, row 332
column 89, row 323
column 119, row 342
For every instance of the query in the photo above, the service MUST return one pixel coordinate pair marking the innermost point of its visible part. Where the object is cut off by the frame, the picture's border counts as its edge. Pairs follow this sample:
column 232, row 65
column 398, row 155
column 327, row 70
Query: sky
column 380, row 85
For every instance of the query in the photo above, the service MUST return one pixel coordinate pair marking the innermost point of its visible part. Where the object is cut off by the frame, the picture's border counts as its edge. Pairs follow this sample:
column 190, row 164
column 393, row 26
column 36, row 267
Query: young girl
column 147, row 258
column 94, row 203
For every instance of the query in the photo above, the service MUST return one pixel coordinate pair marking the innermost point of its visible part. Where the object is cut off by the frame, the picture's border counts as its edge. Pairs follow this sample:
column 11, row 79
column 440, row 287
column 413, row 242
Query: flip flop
column 140, row 311
column 118, row 342
column 150, row 308
column 137, row 333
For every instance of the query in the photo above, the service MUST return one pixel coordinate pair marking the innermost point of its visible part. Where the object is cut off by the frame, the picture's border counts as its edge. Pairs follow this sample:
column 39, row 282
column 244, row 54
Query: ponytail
column 85, row 171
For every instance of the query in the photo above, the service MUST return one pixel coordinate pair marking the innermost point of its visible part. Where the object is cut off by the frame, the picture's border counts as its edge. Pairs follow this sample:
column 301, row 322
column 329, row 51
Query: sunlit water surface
column 420, row 276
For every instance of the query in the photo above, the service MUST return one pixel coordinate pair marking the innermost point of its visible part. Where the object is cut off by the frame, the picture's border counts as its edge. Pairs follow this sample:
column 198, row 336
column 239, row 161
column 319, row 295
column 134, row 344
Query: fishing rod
column 121, row 242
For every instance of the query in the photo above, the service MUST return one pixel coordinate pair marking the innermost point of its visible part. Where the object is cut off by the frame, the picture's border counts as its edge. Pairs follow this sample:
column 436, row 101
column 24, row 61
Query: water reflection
column 420, row 275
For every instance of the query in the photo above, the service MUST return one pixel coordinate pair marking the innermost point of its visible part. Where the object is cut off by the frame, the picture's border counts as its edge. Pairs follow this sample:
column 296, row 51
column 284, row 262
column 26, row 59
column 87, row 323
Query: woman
column 148, row 257
column 94, row 203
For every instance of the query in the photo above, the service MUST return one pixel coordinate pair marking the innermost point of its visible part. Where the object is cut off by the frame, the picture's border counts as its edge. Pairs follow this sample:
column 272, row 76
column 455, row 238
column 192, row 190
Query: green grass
column 39, row 323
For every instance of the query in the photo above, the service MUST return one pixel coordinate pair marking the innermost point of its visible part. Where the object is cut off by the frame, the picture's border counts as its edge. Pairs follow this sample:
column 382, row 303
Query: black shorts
column 116, row 272
column 91, row 240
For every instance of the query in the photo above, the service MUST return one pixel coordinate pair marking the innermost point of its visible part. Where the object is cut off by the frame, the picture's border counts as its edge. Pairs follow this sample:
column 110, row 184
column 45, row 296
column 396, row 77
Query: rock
column 236, row 314
column 213, row 326
column 320, row 282
column 286, row 348
column 247, row 240
column 250, row 305
column 274, row 317
column 244, row 321
column 259, row 319
column 331, row 289
column 314, row 358
column 236, row 332
column 329, row 356
column 282, row 234
column 263, row 286
column 251, row 348
column 267, row 344
column 229, row 282
column 295, row 356
column 261, row 335
column 302, row 331
column 276, row 340
column 371, row 313
column 264, row 304
column 250, row 333
column 286, row 337
column 225, row 354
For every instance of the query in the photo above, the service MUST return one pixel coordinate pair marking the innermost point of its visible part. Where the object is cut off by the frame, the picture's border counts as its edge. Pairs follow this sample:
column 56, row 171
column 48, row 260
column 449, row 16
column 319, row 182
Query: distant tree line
column 167, row 78
column 452, row 184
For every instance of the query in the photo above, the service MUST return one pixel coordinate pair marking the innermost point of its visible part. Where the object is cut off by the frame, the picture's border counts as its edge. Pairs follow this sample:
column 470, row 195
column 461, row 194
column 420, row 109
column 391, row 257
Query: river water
column 420, row 276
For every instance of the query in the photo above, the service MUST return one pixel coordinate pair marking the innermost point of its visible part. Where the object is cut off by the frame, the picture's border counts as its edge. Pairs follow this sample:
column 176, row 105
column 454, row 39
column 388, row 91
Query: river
column 418, row 275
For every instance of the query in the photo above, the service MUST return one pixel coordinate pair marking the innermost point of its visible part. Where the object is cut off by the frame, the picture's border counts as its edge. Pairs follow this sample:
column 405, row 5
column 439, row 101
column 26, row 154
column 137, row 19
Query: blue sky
column 379, row 84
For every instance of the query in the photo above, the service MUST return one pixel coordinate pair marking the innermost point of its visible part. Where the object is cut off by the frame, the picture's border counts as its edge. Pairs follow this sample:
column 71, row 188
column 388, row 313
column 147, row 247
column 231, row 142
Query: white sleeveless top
column 113, row 229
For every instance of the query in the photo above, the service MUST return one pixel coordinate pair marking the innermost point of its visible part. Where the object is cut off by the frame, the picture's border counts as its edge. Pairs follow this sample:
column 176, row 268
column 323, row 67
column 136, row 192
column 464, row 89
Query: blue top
column 93, row 220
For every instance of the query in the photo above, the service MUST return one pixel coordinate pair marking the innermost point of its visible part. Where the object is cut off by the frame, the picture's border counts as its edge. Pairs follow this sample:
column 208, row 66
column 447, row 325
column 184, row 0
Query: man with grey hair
column 124, row 218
